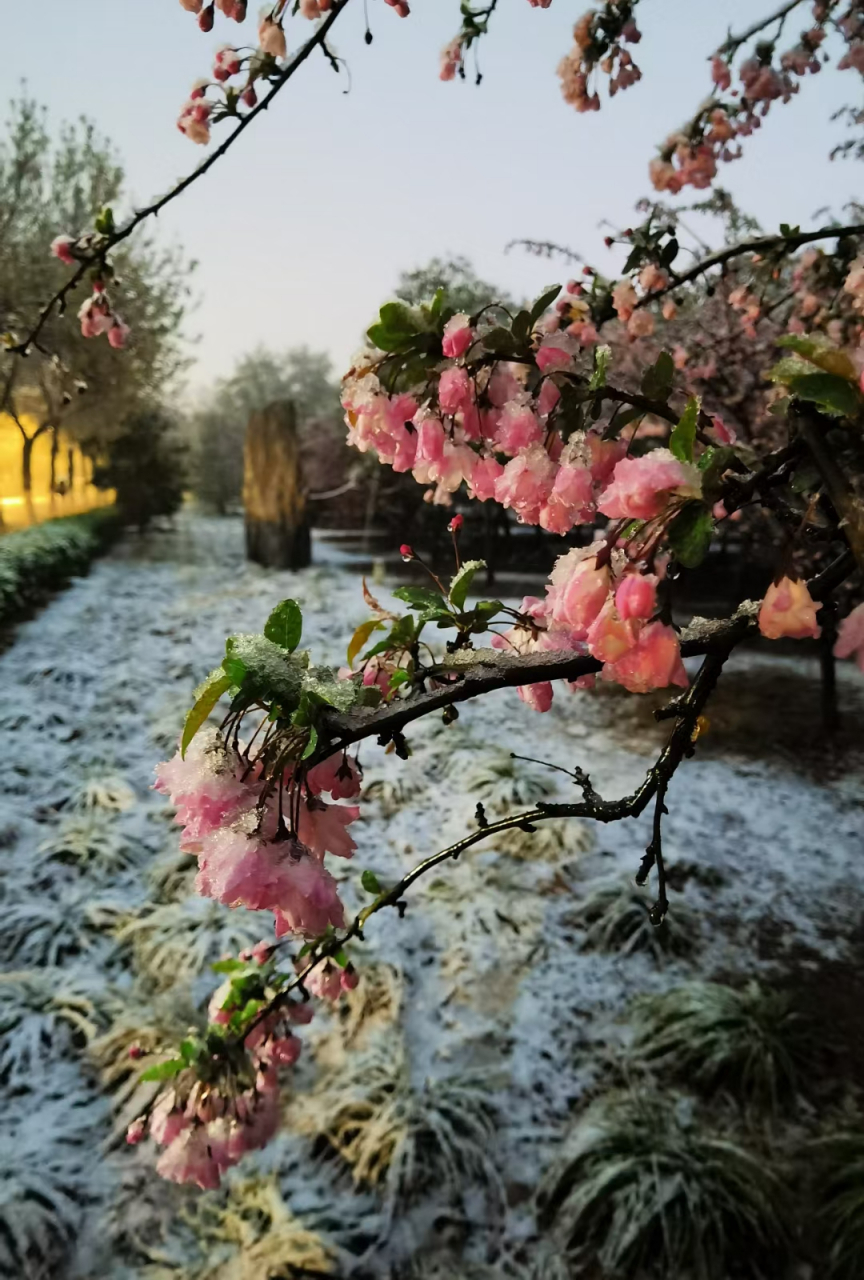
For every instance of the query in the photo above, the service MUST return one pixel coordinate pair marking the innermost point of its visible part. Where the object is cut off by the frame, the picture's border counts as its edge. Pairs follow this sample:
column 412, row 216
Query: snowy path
column 489, row 955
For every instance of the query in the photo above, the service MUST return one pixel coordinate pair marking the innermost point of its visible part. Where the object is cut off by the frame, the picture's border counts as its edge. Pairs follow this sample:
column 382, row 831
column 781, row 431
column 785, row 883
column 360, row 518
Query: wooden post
column 277, row 532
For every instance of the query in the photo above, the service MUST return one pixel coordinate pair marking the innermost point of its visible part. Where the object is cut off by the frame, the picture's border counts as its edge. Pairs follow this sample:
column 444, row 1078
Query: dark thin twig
column 110, row 242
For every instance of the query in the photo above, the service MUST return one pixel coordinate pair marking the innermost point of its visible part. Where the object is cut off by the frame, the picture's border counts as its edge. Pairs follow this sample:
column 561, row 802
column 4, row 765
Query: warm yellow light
column 70, row 496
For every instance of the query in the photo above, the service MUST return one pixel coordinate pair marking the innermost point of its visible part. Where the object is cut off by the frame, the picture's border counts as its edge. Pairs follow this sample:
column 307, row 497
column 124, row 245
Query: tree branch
column 152, row 210
column 732, row 44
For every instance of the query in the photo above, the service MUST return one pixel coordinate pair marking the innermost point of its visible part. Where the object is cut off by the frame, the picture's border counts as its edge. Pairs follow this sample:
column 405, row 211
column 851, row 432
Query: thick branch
column 760, row 244
column 152, row 210
column 732, row 44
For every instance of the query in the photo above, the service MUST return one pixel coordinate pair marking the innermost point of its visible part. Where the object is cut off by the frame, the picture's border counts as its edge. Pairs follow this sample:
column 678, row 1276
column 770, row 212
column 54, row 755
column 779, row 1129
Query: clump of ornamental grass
column 747, row 1042
column 500, row 782
column 643, row 1187
column 41, row 1196
column 251, row 1234
column 88, row 841
column 549, row 842
column 106, row 791
column 616, row 917
column 45, row 1014
column 172, row 876
column 39, row 931
column 836, row 1165
column 391, row 795
column 403, row 1139
column 178, row 941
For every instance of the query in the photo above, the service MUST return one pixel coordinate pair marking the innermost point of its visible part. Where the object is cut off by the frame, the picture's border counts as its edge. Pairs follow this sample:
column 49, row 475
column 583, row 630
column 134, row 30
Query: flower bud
column 456, row 524
column 406, row 552
column 205, row 18
column 135, row 1051
column 135, row 1132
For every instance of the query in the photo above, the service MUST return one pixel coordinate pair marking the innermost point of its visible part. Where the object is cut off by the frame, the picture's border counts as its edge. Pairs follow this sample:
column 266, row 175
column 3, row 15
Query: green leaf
column 669, row 252
column 522, row 326
column 419, row 597
column 806, row 478
column 690, row 534
column 462, row 581
column 602, row 356
column 658, row 378
column 683, row 435
column 285, row 625
column 832, row 393
column 399, row 316
column 104, row 222
column 340, row 958
column 787, row 368
column 227, row 966
column 311, row 744
column 499, row 341
column 189, row 1050
column 482, row 614
column 369, row 695
column 163, row 1070
column 370, row 882
column 437, row 303
column 713, row 463
column 819, row 352
column 544, row 302
column 209, row 693
column 402, row 636
column 398, row 678
column 361, row 637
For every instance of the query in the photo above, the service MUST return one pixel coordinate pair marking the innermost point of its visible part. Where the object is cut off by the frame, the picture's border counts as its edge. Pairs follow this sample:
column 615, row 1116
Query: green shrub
column 837, row 1162
column 643, row 1188
column 748, row 1042
column 616, row 917
column 35, row 561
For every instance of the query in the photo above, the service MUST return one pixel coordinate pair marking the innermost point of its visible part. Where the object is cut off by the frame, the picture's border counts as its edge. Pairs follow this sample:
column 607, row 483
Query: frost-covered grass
column 500, row 1020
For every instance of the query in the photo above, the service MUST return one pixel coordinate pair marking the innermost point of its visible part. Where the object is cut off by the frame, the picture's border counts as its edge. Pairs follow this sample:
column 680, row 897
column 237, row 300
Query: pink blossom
column 192, row 6
column 526, row 482
column 504, row 384
column 458, row 336
column 724, row 433
column 206, row 788
column 166, row 1119
column 624, row 299
column 135, row 1132
column 325, row 981
column 554, row 353
column 548, row 398
column 720, row 73
column 313, row 904
column 603, row 455
column 640, row 324
column 483, row 478
column 227, row 63
column 651, row 277
column 571, row 500
column 338, row 775
column 95, row 315
column 850, row 637
column 271, row 38
column 789, row 610
column 430, row 447
column 451, row 59
column 537, row 696
column 641, row 487
column 636, row 595
column 323, row 827
column 654, row 662
column 669, row 310
column 189, row 1158
column 194, row 120
column 310, row 9
column 517, row 429
column 610, row 636
column 454, row 390
column 118, row 334
column 61, row 247
column 578, row 590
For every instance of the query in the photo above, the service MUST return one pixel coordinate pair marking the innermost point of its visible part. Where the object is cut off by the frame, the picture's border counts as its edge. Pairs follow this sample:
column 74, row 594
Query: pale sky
column 302, row 229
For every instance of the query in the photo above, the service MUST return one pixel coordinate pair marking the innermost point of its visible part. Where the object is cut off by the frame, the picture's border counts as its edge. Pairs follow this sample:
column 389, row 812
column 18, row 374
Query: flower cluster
column 223, row 1096
column 98, row 316
column 233, row 821
column 599, row 38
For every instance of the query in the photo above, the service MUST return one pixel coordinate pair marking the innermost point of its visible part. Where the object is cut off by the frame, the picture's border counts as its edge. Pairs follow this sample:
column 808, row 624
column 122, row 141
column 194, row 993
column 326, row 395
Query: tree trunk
column 70, row 468
column 27, row 465
column 55, row 449
column 828, row 668
column 277, row 531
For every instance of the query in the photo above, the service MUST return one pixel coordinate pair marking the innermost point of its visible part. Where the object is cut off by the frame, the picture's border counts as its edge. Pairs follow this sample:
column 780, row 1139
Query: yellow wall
column 15, row 511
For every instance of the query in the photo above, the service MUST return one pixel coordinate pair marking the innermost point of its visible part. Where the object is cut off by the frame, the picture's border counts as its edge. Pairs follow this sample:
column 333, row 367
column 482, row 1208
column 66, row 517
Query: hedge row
column 36, row 561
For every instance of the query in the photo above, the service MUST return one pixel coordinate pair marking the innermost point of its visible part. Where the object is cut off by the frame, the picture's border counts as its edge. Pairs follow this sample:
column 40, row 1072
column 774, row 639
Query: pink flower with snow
column 636, row 595
column 850, row 637
column 571, row 500
column 118, row 334
column 483, row 478
column 548, row 398
column 654, row 662
column 789, row 610
column 61, row 247
column 166, row 1119
column 641, row 487
column 555, row 353
column 458, row 336
column 518, row 427
column 526, row 482
column 95, row 315
column 454, row 390
column 313, row 903
column 577, row 590
column 506, row 382
column 206, row 788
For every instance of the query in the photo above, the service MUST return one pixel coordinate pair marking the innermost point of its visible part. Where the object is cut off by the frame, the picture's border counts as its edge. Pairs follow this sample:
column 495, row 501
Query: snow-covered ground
column 490, row 978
